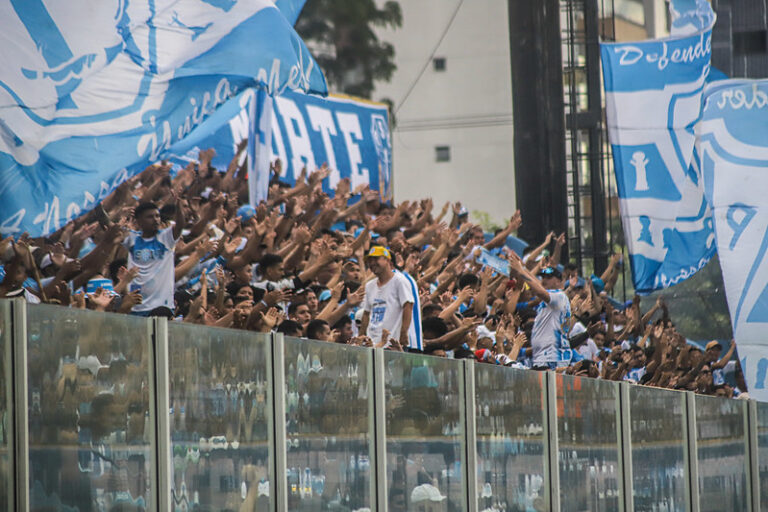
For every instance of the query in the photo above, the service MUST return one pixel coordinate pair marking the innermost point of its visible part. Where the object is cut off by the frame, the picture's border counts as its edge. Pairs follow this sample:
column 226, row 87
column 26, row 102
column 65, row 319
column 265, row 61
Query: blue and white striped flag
column 92, row 92
column 733, row 144
column 653, row 103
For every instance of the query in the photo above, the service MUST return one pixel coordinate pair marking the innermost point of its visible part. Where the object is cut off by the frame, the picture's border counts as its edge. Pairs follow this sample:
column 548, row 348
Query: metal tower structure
column 593, row 217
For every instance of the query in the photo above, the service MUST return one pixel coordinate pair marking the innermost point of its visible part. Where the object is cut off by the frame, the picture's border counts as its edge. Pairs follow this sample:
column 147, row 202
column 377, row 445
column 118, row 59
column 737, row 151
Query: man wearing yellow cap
column 388, row 303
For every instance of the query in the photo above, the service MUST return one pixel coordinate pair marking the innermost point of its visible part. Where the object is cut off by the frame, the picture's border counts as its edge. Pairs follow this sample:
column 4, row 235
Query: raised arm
column 516, row 265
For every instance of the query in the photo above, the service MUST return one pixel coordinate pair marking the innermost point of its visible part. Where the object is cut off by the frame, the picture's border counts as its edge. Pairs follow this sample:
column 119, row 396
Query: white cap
column 426, row 492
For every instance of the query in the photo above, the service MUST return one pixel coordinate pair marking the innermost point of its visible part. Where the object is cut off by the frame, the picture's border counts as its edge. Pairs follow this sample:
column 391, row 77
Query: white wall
column 467, row 107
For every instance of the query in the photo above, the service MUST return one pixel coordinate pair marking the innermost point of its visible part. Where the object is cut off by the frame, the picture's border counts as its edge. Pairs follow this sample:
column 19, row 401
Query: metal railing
column 82, row 429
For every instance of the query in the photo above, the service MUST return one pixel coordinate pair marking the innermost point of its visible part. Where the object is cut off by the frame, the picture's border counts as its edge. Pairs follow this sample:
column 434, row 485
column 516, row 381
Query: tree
column 341, row 35
column 697, row 306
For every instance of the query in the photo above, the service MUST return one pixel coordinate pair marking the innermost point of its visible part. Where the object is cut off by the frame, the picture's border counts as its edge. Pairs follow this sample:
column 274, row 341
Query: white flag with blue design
column 653, row 102
column 91, row 92
column 733, row 144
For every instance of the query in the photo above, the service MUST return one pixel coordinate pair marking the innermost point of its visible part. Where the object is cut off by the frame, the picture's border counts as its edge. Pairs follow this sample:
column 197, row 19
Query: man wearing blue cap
column 388, row 303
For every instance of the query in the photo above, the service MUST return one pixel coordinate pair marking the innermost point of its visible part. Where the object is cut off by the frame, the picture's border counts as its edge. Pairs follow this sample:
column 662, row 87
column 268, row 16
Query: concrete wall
column 467, row 107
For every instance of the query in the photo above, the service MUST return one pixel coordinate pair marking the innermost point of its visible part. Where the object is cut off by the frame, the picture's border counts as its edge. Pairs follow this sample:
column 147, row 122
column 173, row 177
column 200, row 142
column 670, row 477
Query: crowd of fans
column 352, row 269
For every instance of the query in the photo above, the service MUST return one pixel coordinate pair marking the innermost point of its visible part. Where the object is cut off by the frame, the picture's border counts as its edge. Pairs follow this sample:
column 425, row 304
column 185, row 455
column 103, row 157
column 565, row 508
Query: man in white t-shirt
column 549, row 337
column 151, row 250
column 388, row 303
column 587, row 348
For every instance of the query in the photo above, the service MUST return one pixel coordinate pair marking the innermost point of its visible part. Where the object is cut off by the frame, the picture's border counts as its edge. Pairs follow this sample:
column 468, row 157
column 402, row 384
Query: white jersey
column 588, row 349
column 384, row 305
column 154, row 259
column 549, row 337
column 414, row 333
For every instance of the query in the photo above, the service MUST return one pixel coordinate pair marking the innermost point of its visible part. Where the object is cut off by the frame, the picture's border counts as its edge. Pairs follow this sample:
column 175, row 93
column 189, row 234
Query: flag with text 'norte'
column 229, row 126
column 733, row 146
column 653, row 102
column 351, row 135
column 91, row 92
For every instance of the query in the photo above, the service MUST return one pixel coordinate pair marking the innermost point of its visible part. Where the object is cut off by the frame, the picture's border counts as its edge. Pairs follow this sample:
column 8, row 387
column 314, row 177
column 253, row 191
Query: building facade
column 452, row 104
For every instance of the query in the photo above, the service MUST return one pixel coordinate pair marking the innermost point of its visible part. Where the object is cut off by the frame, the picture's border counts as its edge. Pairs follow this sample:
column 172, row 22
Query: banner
column 733, row 146
column 222, row 131
column 259, row 149
column 350, row 135
column 653, row 103
column 92, row 92
column 490, row 260
column 230, row 125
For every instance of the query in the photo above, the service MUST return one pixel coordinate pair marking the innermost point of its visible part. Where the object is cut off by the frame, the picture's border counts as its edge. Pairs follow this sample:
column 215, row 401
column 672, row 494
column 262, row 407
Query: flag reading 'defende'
column 91, row 92
column 733, row 147
column 653, row 102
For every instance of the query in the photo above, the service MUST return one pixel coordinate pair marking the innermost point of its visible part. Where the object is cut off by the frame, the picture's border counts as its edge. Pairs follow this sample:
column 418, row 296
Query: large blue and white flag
column 91, row 92
column 733, row 145
column 350, row 135
column 290, row 9
column 223, row 131
column 230, row 125
column 653, row 102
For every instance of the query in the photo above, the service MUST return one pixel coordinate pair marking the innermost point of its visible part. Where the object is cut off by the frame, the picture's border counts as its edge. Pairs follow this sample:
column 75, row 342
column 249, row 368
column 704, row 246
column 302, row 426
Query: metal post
column 691, row 455
column 159, row 407
column 469, row 439
column 7, row 323
column 600, row 248
column 278, row 434
column 539, row 121
column 753, row 469
column 550, row 436
column 269, row 413
column 21, row 402
column 378, row 425
column 625, row 442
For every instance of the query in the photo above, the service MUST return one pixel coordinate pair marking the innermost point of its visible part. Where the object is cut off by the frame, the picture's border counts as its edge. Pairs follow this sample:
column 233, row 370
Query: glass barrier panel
column 6, row 421
column 657, row 431
column 762, row 456
column 722, row 456
column 424, row 433
column 328, row 438
column 588, row 450
column 89, row 418
column 509, row 420
column 218, row 418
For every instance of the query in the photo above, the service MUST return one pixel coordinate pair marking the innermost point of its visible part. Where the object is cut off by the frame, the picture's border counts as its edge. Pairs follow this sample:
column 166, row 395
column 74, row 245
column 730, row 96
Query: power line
column 431, row 56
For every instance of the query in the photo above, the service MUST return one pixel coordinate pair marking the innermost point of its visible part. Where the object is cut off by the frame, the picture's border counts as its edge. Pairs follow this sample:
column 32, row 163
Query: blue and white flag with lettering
column 91, row 92
column 350, row 135
column 733, row 145
column 223, row 131
column 230, row 125
column 290, row 9
column 653, row 102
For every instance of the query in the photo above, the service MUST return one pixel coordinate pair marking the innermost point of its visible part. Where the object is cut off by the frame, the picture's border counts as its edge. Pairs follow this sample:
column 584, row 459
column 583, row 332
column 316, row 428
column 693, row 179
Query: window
column 443, row 153
column 438, row 63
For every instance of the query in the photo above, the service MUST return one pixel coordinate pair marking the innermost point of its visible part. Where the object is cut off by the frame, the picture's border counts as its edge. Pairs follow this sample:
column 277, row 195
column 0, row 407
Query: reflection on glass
column 509, row 419
column 218, row 418
column 721, row 454
column 762, row 446
column 588, row 457
column 88, row 411
column 327, row 428
column 424, row 433
column 658, row 449
column 5, row 420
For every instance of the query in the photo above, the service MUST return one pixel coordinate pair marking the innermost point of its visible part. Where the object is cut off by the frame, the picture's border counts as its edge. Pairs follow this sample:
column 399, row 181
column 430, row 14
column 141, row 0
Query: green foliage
column 697, row 306
column 355, row 57
column 484, row 220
